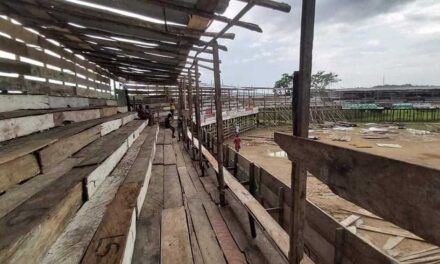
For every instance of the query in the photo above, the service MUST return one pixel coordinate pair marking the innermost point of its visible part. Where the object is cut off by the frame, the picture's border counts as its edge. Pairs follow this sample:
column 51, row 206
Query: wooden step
column 114, row 239
column 73, row 242
column 23, row 158
column 27, row 232
column 24, row 122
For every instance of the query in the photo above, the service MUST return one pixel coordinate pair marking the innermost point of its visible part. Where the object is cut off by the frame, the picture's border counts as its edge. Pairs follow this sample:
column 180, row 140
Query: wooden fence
column 392, row 115
column 321, row 230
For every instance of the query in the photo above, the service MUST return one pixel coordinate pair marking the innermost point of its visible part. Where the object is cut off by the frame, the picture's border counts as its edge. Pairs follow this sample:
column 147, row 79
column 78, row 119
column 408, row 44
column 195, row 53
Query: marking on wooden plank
column 175, row 244
column 172, row 189
column 71, row 245
column 15, row 171
column 197, row 254
column 187, row 184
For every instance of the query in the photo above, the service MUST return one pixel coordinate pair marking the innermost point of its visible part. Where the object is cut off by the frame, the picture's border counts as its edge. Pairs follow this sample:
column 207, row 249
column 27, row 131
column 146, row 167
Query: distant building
column 388, row 95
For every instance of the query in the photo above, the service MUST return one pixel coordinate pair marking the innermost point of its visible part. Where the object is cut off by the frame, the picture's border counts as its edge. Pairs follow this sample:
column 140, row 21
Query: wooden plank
column 169, row 155
column 158, row 158
column 112, row 238
column 17, row 127
column 188, row 187
column 350, row 183
column 148, row 229
column 197, row 254
column 179, row 157
column 161, row 137
column 66, row 147
column 168, row 137
column 17, row 102
column 350, row 220
column 208, row 244
column 76, row 116
column 73, row 242
column 109, row 111
column 229, row 247
column 18, row 170
column 110, row 126
column 20, row 193
column 27, row 232
column 175, row 244
column 171, row 187
column 67, row 102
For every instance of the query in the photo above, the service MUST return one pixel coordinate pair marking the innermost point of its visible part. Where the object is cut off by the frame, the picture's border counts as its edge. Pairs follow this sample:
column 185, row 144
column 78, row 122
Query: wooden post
column 219, row 119
column 127, row 98
column 301, row 104
column 198, row 118
column 252, row 190
column 190, row 106
column 180, row 130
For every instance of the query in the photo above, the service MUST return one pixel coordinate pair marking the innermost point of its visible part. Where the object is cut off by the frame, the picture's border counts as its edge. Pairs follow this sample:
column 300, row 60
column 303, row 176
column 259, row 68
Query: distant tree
column 281, row 86
column 321, row 80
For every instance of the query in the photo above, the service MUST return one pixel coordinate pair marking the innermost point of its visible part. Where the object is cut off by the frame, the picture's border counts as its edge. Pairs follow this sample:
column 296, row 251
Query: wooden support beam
column 301, row 106
column 198, row 119
column 350, row 174
column 219, row 119
column 279, row 6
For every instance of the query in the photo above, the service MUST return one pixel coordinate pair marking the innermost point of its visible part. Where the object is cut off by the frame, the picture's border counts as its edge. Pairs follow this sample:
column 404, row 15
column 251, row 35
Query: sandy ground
column 258, row 146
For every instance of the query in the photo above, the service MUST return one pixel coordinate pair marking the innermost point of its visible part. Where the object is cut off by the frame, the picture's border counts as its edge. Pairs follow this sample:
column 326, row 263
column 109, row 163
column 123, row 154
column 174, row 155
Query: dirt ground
column 414, row 145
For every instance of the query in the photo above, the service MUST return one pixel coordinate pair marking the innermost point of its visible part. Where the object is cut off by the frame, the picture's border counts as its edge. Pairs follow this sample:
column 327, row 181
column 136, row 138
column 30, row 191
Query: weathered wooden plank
column 158, row 158
column 179, row 157
column 111, row 242
column 172, row 189
column 73, row 242
column 229, row 247
column 188, row 186
column 175, row 244
column 76, row 116
column 27, row 232
column 169, row 155
column 109, row 111
column 18, row 170
column 18, row 194
column 18, row 102
column 197, row 254
column 208, row 244
column 161, row 137
column 66, row 147
column 148, row 229
column 67, row 102
column 110, row 126
column 140, row 172
column 168, row 139
column 349, row 174
column 17, row 127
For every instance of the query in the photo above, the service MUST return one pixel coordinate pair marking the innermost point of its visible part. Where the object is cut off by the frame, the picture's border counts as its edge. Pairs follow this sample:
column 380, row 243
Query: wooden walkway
column 180, row 209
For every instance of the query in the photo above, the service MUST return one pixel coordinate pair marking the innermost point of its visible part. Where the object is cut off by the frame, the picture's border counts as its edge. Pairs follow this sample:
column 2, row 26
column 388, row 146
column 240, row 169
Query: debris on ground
column 388, row 145
column 361, row 145
column 344, row 138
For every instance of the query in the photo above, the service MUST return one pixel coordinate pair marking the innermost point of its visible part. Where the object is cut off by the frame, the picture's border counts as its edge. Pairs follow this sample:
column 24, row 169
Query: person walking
column 168, row 123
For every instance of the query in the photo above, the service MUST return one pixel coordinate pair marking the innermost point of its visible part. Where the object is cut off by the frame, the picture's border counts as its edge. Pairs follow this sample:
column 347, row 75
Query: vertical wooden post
column 198, row 118
column 180, row 130
column 252, row 190
column 301, row 105
column 219, row 119
column 127, row 98
column 184, row 122
column 190, row 106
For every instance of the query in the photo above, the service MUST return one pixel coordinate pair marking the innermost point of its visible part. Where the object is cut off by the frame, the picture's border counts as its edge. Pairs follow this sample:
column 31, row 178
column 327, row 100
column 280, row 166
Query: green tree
column 281, row 86
column 321, row 80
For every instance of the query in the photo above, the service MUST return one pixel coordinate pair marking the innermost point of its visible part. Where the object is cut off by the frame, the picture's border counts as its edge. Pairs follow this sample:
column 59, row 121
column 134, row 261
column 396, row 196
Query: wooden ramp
column 180, row 222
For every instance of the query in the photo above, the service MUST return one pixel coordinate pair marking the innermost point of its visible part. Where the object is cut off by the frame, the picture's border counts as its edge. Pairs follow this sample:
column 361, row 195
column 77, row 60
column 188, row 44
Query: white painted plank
column 110, row 126
column 64, row 102
column 17, row 102
column 17, row 127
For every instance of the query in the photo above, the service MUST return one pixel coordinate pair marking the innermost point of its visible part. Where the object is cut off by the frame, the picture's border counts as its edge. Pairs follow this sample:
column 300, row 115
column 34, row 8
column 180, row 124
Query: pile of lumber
column 68, row 194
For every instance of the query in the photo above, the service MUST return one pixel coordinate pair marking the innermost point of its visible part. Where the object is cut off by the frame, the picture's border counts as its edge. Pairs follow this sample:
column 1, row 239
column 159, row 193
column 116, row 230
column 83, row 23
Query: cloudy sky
column 366, row 42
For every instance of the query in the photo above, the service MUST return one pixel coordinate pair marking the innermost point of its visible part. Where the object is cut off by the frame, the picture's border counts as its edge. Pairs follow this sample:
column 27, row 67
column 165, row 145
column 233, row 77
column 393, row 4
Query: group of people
column 145, row 114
